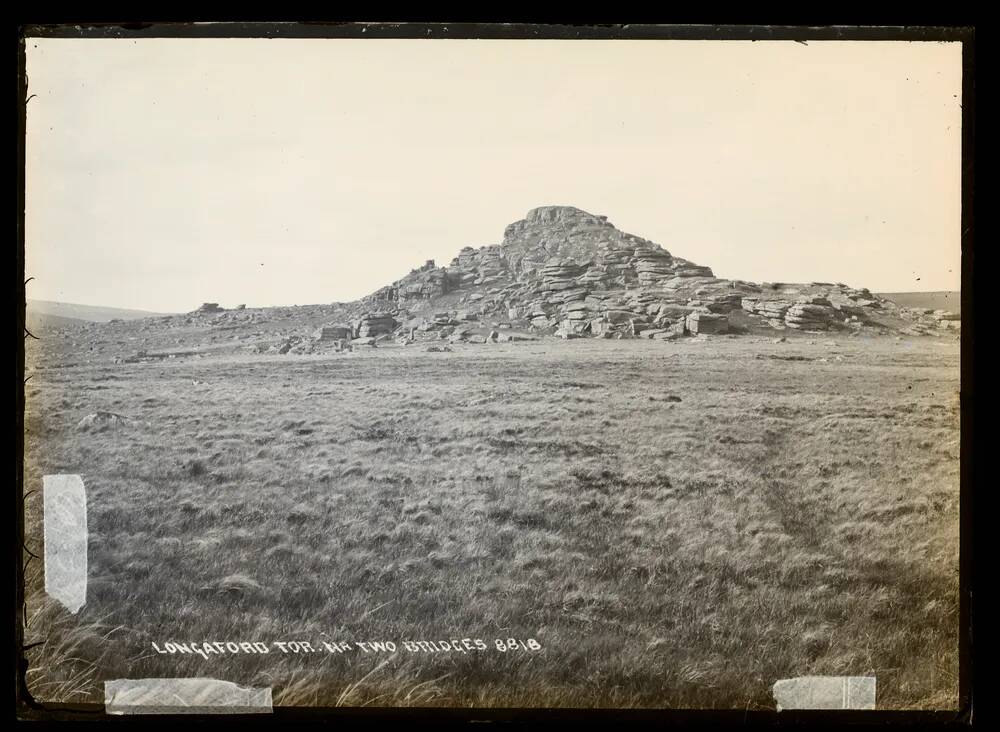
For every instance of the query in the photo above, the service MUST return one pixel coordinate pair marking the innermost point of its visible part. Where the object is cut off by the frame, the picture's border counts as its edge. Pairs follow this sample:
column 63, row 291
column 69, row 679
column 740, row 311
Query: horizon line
column 348, row 302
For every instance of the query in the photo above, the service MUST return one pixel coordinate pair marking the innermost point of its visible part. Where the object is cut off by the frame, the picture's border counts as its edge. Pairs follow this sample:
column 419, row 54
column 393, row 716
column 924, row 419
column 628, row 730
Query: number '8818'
column 513, row 644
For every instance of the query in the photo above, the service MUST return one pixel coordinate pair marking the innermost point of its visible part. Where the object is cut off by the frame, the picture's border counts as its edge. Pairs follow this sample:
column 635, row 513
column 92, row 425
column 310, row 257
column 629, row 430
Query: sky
column 163, row 173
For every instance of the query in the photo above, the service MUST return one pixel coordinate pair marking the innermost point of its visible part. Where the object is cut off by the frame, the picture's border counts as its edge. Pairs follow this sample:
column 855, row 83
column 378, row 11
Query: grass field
column 675, row 524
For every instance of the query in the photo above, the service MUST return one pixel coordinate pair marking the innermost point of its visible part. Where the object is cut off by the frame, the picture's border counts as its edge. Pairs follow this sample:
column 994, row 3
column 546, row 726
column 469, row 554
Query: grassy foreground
column 675, row 524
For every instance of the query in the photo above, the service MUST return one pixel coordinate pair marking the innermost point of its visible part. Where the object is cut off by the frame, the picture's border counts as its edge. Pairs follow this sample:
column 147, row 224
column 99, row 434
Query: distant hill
column 36, row 322
column 942, row 300
column 54, row 312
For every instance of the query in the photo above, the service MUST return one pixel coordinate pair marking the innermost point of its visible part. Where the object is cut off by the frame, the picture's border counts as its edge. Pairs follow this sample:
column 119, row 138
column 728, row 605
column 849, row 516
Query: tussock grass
column 677, row 525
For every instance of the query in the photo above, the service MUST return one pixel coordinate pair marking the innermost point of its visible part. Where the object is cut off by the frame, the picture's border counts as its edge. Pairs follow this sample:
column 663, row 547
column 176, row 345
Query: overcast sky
column 162, row 173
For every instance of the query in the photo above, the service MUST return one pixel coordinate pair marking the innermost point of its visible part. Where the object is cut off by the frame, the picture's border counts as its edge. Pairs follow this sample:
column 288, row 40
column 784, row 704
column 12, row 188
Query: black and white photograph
column 491, row 373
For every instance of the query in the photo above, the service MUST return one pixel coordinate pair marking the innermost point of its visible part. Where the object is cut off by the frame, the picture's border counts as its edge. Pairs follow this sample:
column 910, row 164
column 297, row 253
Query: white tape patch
column 825, row 692
column 64, row 501
column 183, row 696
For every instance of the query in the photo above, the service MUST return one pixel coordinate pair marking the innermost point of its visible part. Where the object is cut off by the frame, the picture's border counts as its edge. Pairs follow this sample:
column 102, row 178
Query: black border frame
column 27, row 708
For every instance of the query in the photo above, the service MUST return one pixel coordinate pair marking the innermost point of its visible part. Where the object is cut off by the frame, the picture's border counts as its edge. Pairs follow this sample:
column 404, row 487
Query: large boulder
column 577, row 327
column 333, row 333
column 710, row 323
column 619, row 316
column 375, row 324
column 811, row 314
column 99, row 421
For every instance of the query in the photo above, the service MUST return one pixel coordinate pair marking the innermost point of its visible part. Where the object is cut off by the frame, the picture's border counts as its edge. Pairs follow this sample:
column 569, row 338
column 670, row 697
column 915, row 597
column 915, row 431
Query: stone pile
column 481, row 267
column 653, row 265
column 490, row 266
column 559, row 274
column 374, row 324
column 724, row 302
column 594, row 275
column 947, row 320
column 333, row 333
column 567, row 298
column 773, row 310
column 928, row 321
column 294, row 344
column 576, row 317
column 538, row 313
column 438, row 326
column 466, row 258
column 684, row 268
column 425, row 283
column 811, row 313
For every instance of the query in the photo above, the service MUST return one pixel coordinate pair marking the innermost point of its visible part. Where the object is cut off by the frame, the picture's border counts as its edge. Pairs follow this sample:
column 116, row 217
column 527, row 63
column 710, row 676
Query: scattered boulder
column 234, row 584
column 101, row 421
column 670, row 334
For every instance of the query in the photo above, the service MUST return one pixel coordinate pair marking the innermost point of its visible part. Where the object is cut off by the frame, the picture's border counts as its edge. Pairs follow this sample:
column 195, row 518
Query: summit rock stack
column 561, row 270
